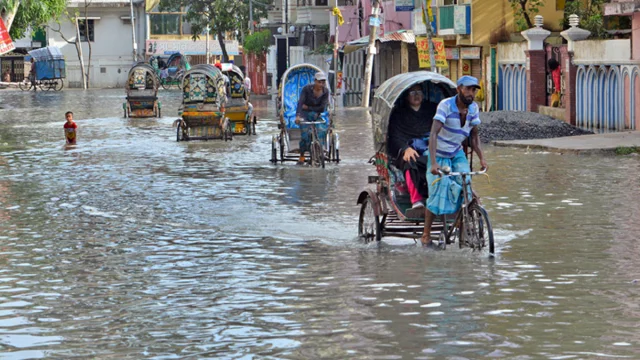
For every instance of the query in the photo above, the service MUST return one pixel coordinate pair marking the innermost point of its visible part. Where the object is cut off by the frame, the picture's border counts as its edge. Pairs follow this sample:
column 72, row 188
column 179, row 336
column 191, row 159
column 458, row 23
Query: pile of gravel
column 516, row 125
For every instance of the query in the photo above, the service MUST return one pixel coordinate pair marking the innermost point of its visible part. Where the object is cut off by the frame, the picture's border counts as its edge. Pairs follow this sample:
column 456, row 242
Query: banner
column 190, row 47
column 405, row 5
column 6, row 44
column 150, row 4
column 466, row 67
column 470, row 52
column 422, row 43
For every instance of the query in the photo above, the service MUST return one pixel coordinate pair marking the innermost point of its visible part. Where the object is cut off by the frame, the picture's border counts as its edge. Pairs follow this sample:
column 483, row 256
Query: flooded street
column 132, row 245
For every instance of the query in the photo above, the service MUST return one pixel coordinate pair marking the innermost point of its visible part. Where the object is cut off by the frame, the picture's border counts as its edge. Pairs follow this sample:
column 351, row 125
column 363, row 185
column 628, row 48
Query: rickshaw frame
column 381, row 199
column 237, row 110
column 281, row 143
column 136, row 104
column 203, row 116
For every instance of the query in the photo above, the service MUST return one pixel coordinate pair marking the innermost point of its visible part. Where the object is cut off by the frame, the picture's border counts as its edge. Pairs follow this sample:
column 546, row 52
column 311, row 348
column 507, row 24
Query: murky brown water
column 132, row 245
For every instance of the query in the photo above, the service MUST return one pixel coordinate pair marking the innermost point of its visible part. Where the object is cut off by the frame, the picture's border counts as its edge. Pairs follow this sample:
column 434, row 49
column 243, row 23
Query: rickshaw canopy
column 142, row 76
column 204, row 84
column 387, row 96
column 293, row 80
column 236, row 78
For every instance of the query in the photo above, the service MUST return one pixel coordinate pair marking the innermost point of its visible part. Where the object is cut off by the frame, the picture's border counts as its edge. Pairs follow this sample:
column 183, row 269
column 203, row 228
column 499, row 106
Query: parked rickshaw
column 203, row 106
column 142, row 92
column 385, row 200
column 285, row 144
column 170, row 70
column 47, row 69
column 237, row 109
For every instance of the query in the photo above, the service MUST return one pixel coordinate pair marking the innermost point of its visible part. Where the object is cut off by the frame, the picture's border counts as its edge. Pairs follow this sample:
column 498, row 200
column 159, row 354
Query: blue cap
column 468, row 81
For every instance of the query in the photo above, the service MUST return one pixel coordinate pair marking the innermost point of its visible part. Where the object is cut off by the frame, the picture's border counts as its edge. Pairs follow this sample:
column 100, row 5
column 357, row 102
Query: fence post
column 573, row 34
column 535, row 65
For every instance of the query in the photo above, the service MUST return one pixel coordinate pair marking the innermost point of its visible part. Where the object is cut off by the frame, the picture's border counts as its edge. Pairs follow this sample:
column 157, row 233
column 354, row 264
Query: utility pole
column 374, row 23
column 426, row 11
column 133, row 33
column 207, row 50
column 250, row 16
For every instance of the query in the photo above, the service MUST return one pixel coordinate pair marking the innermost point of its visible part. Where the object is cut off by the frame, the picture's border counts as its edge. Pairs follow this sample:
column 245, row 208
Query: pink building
column 356, row 19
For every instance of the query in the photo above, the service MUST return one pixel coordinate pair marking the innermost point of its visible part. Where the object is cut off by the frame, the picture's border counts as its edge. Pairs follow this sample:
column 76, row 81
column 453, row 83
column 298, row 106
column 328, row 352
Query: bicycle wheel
column 59, row 84
column 482, row 228
column 166, row 83
column 24, row 85
column 369, row 228
column 317, row 154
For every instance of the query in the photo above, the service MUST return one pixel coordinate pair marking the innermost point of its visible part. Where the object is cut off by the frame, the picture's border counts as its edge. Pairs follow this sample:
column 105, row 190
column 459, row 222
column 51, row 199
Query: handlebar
column 444, row 172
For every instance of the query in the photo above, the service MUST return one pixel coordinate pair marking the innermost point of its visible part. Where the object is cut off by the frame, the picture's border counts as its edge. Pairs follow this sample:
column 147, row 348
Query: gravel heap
column 517, row 125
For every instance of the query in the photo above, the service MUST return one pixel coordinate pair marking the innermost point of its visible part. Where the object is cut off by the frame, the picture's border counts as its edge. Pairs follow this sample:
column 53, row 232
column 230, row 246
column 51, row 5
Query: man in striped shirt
column 457, row 117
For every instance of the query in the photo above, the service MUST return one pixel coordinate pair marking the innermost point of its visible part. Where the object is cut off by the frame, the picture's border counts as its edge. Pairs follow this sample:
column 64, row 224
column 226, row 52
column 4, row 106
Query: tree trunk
column 79, row 49
column 525, row 14
column 86, row 31
column 225, row 56
column 10, row 15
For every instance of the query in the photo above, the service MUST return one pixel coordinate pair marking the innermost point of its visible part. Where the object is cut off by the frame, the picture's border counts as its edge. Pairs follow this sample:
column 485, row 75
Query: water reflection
column 132, row 245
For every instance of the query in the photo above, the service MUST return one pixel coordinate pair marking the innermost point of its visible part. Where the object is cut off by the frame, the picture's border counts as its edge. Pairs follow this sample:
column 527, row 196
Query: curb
column 597, row 151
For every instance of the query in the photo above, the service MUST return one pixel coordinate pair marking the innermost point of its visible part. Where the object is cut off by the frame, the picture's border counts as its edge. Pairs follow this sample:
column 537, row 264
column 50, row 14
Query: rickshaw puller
column 456, row 118
column 409, row 125
column 313, row 101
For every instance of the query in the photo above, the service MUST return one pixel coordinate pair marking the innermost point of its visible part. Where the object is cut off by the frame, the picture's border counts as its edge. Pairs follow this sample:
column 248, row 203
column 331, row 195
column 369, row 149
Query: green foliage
column 257, row 43
column 624, row 150
column 34, row 13
column 326, row 48
column 525, row 11
column 591, row 13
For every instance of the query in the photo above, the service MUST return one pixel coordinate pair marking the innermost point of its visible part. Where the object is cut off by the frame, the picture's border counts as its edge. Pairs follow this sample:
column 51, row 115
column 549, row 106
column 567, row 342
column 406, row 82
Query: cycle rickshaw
column 142, row 92
column 47, row 70
column 171, row 70
column 242, row 120
column 383, row 204
column 285, row 143
column 203, row 106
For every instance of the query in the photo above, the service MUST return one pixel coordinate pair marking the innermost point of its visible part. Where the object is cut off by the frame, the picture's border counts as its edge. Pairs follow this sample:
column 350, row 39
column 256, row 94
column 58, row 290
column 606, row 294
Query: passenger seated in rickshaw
column 409, row 127
column 456, row 118
column 312, row 102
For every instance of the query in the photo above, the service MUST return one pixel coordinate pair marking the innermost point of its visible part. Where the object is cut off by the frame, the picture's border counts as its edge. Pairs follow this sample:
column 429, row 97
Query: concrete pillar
column 573, row 34
column 635, row 36
column 404, row 57
column 536, row 69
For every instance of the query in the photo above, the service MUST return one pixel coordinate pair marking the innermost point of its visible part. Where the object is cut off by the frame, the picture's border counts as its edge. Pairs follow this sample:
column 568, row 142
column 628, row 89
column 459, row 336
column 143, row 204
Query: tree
column 223, row 16
column 20, row 15
column 591, row 13
column 524, row 11
column 77, row 40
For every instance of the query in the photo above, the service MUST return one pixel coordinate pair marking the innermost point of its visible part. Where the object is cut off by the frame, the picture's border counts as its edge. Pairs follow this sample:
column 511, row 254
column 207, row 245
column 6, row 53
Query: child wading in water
column 70, row 128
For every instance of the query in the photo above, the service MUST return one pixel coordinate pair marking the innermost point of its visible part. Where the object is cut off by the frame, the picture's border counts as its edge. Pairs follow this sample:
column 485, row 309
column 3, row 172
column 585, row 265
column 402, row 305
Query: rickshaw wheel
column 317, row 154
column 274, row 151
column 165, row 84
column 59, row 84
column 369, row 227
column 253, row 125
column 24, row 85
column 484, row 230
column 178, row 132
column 281, row 141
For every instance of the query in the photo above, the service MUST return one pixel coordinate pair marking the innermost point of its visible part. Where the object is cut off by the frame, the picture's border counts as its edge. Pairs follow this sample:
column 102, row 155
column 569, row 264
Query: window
column 86, row 26
column 322, row 3
column 169, row 22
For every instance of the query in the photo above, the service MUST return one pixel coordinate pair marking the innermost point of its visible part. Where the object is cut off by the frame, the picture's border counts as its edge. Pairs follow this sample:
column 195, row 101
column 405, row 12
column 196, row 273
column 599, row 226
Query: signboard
column 405, row 5
column 452, row 53
column 419, row 28
column 6, row 44
column 460, row 20
column 470, row 52
column 422, row 43
column 466, row 67
column 189, row 47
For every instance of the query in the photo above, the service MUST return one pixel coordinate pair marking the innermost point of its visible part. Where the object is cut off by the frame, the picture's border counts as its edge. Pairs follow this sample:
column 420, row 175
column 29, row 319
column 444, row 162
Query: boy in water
column 70, row 128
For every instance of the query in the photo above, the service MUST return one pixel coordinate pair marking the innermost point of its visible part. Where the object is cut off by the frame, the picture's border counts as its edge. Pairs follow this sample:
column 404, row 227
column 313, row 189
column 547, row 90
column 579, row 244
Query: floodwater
column 132, row 245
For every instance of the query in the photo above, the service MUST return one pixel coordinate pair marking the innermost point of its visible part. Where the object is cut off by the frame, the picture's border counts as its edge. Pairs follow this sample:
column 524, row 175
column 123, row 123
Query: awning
column 398, row 35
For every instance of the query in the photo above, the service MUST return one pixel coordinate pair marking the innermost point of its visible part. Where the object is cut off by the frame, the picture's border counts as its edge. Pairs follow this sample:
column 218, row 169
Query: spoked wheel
column 253, row 124
column 482, row 229
column 274, row 151
column 24, row 85
column 179, row 134
column 369, row 228
column 317, row 154
column 166, row 83
column 281, row 140
column 59, row 84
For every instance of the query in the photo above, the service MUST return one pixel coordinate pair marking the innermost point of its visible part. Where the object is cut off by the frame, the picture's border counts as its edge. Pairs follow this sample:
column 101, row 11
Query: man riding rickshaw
column 313, row 101
column 416, row 140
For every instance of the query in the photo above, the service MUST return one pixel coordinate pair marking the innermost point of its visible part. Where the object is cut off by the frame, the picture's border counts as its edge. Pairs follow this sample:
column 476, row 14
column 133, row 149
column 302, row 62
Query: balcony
column 454, row 20
column 313, row 12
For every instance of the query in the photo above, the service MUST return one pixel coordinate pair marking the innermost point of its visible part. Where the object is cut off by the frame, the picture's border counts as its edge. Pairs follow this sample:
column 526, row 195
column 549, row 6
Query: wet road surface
column 132, row 245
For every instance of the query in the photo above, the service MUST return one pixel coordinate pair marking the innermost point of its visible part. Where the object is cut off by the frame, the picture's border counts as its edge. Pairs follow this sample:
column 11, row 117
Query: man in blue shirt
column 457, row 117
